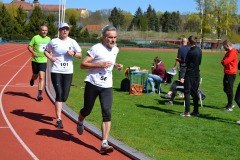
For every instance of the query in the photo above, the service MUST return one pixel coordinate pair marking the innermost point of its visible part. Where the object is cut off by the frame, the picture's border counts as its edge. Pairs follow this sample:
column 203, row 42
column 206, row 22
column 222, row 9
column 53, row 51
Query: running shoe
column 238, row 122
column 80, row 128
column 170, row 103
column 167, row 96
column 195, row 114
column 105, row 148
column 229, row 108
column 31, row 82
column 59, row 124
column 185, row 114
column 39, row 98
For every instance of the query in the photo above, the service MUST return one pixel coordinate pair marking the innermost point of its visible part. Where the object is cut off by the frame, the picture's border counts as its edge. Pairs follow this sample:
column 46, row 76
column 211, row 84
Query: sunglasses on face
column 67, row 29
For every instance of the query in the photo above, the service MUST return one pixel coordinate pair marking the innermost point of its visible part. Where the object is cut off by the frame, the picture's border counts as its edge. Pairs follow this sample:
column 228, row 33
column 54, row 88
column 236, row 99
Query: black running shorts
column 36, row 67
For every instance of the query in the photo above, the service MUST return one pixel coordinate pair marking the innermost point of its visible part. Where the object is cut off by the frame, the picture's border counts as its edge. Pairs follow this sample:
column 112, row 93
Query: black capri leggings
column 61, row 84
column 105, row 97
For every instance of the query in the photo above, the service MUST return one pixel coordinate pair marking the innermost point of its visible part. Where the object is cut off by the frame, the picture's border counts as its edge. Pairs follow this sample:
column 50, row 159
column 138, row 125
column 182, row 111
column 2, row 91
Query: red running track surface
column 27, row 128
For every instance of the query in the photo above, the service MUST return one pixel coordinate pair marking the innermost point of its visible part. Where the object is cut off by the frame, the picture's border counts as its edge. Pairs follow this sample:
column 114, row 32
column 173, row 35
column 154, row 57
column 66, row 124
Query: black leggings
column 105, row 97
column 61, row 84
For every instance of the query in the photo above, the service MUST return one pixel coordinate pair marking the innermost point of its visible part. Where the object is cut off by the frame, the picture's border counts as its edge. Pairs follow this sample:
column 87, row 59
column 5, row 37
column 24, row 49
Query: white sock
column 59, row 119
column 104, row 141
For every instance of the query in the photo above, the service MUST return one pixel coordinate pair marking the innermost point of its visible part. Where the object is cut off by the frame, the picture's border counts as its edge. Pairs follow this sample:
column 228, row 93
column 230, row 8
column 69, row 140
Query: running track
column 27, row 128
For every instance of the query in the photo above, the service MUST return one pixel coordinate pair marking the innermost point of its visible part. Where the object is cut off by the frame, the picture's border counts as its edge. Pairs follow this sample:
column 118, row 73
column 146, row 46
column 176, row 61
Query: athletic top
column 230, row 61
column 39, row 44
column 193, row 61
column 59, row 48
column 102, row 77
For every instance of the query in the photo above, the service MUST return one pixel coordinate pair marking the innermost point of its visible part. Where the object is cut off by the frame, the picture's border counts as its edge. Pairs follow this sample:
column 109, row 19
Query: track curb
column 118, row 145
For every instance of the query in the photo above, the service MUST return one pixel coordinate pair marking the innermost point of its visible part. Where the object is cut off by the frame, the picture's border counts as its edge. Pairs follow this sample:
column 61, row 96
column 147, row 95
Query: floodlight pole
column 61, row 13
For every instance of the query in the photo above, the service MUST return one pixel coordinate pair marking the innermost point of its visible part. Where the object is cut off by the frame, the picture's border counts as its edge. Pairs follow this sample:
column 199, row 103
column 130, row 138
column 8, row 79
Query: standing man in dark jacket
column 181, row 58
column 192, row 77
column 230, row 63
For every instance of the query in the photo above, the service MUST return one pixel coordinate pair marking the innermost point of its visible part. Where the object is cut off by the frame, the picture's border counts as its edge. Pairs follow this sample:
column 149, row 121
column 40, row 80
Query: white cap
column 63, row 25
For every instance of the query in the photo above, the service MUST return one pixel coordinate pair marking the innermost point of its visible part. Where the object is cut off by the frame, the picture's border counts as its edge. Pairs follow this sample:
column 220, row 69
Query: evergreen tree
column 127, row 20
column 157, row 23
column 72, row 20
column 1, row 19
column 52, row 29
column 143, row 23
column 73, row 23
column 150, row 18
column 165, row 21
column 7, row 27
column 116, row 17
column 135, row 24
column 85, row 34
column 19, row 24
column 175, row 21
column 36, row 20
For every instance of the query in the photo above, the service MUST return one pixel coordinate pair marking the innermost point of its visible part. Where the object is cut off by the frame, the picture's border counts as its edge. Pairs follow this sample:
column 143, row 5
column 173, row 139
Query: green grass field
column 146, row 124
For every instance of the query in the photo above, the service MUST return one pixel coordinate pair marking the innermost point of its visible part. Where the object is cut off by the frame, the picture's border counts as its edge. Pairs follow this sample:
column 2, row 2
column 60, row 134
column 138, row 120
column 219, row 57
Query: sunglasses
column 67, row 29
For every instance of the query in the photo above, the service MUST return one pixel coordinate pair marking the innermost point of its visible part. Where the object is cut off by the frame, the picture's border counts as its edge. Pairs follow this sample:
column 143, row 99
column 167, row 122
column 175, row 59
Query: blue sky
column 183, row 6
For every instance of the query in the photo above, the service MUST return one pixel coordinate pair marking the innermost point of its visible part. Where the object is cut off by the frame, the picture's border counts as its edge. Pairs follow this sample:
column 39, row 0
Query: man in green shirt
column 37, row 46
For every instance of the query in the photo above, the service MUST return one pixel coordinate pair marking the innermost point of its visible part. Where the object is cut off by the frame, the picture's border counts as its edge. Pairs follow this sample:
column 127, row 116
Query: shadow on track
column 65, row 136
column 21, row 94
column 34, row 116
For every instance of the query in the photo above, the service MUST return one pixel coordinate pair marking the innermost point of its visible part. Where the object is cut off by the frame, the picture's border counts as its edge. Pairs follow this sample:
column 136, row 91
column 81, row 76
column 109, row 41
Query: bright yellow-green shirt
column 39, row 44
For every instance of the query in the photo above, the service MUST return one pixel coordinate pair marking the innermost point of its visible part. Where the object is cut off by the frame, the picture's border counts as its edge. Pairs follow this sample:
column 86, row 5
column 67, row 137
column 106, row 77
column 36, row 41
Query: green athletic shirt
column 39, row 44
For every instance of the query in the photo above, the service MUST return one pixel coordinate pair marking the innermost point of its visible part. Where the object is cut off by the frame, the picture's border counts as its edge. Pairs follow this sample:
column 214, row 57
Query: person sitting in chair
column 173, row 91
column 158, row 74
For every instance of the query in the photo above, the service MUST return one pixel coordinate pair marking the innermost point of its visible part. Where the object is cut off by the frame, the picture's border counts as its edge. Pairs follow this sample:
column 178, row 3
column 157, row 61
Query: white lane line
column 3, row 127
column 22, row 84
column 12, row 58
column 10, row 52
column 18, row 86
column 7, row 121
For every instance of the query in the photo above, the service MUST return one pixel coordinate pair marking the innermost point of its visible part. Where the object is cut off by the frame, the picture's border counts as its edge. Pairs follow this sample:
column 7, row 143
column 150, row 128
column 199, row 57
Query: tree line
column 217, row 18
column 15, row 25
